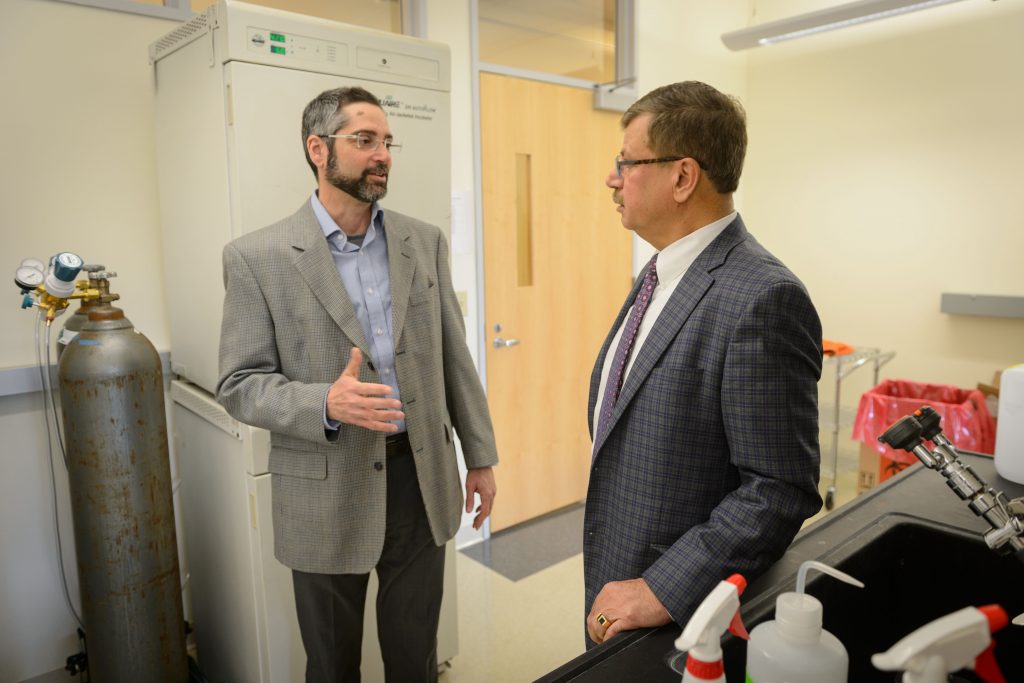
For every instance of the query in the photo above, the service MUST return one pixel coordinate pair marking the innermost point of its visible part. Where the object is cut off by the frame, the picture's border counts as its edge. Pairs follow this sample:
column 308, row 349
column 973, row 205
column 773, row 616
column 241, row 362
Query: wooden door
column 557, row 265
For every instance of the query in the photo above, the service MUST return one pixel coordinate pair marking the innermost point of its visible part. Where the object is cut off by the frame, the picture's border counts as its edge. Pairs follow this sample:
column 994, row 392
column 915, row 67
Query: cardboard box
column 873, row 468
column 991, row 393
column 993, row 388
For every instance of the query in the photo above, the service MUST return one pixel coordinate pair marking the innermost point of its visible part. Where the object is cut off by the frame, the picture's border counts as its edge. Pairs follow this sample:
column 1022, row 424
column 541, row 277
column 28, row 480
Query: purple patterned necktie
column 625, row 347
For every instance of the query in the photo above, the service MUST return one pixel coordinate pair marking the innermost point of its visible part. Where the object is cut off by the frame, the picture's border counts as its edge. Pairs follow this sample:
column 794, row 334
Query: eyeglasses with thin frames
column 620, row 163
column 368, row 142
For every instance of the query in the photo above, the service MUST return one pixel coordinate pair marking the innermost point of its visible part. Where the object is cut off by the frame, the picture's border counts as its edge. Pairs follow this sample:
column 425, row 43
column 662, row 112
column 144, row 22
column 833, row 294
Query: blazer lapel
column 688, row 293
column 316, row 266
column 401, row 268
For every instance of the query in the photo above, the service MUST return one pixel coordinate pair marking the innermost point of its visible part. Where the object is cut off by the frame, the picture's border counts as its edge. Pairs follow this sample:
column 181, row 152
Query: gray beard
column 356, row 187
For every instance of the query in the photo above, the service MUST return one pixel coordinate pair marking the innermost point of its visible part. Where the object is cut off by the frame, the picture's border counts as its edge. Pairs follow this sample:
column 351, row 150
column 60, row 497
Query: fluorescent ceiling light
column 840, row 16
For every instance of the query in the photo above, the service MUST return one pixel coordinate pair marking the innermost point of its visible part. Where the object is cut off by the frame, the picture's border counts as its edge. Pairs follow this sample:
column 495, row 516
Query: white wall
column 78, row 174
column 885, row 168
column 37, row 632
column 679, row 41
column 449, row 22
column 78, row 151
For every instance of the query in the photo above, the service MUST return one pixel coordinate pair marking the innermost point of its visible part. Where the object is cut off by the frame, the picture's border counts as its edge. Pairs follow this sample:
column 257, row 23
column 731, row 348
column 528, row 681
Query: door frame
column 625, row 72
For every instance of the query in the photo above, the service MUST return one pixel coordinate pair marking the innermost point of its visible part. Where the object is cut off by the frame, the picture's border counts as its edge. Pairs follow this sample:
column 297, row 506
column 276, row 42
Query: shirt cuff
column 329, row 425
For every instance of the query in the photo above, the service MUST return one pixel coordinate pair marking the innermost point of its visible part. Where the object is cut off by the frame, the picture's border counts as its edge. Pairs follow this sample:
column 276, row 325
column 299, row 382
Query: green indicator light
column 277, row 49
column 277, row 37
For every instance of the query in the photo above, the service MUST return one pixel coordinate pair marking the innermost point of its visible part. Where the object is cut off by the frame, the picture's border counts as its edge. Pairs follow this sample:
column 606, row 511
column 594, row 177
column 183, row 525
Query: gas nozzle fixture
column 1006, row 517
column 51, row 286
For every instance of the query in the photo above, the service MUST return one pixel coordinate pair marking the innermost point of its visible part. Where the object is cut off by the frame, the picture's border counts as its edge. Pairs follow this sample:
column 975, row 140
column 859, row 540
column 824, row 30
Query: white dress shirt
column 673, row 262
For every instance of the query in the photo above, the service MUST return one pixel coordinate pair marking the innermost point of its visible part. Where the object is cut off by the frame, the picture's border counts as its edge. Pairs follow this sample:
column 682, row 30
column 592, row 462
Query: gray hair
column 323, row 116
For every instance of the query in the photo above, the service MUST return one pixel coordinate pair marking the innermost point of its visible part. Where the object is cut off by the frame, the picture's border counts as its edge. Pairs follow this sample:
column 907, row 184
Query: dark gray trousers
column 410, row 574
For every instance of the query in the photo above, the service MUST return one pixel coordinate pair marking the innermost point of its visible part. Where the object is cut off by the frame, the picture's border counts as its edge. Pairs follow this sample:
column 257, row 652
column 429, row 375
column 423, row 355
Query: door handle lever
column 499, row 342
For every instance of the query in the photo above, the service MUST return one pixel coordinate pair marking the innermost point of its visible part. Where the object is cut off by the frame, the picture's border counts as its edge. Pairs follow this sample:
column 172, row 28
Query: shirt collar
column 335, row 234
column 676, row 258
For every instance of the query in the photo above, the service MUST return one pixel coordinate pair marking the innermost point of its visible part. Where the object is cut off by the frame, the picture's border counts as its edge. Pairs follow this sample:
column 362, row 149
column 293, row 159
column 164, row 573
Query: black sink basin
column 918, row 548
column 914, row 571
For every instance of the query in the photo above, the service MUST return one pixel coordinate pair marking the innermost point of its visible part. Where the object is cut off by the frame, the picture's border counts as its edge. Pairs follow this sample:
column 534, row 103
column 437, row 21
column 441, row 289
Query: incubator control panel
column 284, row 44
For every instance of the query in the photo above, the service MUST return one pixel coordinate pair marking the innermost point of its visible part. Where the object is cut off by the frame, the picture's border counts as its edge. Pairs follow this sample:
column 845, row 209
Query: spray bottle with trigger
column 956, row 641
column 702, row 636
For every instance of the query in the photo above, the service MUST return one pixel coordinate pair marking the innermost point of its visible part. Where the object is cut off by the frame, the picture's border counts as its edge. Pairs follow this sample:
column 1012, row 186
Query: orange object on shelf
column 831, row 347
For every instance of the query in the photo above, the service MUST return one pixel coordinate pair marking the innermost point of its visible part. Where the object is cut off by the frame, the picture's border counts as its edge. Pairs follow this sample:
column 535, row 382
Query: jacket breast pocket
column 684, row 379
column 424, row 294
column 305, row 465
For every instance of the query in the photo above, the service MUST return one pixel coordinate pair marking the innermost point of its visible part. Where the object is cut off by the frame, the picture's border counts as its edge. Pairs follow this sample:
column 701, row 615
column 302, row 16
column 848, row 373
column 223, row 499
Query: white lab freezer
column 242, row 602
column 231, row 85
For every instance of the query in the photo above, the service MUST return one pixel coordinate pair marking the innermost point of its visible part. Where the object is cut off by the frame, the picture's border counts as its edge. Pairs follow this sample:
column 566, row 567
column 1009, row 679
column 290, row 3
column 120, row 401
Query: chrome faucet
column 1006, row 517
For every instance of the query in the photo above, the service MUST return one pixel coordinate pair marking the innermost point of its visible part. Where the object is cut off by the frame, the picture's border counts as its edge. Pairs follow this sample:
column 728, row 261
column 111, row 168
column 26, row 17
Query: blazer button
column 378, row 466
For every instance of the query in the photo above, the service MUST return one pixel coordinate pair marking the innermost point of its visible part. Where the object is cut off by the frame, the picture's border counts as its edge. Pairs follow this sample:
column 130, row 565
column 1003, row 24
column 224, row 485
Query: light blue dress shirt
column 363, row 267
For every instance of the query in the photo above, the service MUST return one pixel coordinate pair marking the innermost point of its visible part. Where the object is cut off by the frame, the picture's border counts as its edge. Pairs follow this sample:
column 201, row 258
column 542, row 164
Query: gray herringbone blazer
column 287, row 332
column 711, row 462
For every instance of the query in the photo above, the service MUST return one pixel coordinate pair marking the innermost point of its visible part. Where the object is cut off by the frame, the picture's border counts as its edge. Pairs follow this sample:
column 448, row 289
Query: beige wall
column 679, row 41
column 78, row 155
column 78, row 174
column 885, row 167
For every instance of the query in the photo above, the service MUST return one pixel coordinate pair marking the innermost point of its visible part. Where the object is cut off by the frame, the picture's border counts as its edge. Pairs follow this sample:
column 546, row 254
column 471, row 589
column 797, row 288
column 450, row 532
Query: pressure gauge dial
column 28, row 278
column 66, row 258
column 67, row 265
column 60, row 280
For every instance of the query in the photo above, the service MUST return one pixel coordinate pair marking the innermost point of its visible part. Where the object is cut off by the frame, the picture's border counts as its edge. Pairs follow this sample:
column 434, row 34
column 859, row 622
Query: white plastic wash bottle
column 794, row 648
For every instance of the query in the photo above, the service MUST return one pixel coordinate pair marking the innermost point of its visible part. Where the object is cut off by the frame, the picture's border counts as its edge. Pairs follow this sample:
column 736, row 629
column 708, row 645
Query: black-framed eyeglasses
column 368, row 142
column 620, row 162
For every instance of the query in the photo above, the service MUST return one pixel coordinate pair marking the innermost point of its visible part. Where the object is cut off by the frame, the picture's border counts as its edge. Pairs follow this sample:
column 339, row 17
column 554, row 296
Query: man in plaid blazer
column 343, row 337
column 703, row 409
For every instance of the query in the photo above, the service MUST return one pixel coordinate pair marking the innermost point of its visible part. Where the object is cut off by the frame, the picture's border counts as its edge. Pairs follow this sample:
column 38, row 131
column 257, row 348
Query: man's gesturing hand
column 357, row 403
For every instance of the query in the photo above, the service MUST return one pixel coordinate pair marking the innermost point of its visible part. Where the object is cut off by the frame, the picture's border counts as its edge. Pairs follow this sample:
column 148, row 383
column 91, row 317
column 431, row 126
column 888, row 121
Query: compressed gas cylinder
column 115, row 431
column 73, row 326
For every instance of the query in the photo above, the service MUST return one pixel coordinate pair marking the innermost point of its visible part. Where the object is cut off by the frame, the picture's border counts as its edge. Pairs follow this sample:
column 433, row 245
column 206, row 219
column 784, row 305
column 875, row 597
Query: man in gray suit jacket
column 703, row 401
column 342, row 336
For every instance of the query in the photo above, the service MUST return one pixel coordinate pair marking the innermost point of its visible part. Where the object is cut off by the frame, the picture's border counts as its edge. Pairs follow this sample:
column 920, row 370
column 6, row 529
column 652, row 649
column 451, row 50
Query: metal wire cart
column 845, row 364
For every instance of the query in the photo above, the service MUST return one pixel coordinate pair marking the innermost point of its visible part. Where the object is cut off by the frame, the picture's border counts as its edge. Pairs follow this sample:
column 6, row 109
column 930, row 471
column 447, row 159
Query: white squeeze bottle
column 795, row 648
column 1009, row 456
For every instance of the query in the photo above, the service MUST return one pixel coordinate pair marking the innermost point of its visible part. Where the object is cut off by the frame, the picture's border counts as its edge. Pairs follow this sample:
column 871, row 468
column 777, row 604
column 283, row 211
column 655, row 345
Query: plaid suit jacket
column 287, row 332
column 711, row 462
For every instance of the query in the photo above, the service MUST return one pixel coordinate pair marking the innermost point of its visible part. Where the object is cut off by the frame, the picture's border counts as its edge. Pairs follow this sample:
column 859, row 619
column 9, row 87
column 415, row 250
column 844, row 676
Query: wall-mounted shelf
column 983, row 304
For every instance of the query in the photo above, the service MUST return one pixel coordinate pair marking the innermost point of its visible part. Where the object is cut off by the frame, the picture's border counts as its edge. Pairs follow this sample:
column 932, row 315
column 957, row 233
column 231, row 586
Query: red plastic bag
column 966, row 420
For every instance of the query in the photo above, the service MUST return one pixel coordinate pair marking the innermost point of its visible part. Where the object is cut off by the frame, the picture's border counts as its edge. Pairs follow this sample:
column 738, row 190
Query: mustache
column 379, row 169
